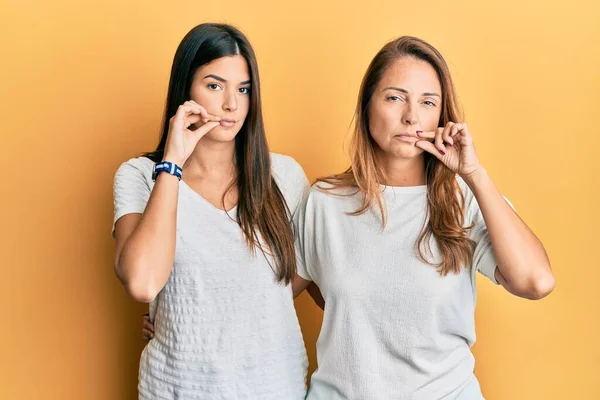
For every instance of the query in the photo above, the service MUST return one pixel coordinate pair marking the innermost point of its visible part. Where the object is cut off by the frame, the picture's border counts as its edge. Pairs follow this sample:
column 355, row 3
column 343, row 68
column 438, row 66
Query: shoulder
column 140, row 166
column 285, row 166
column 325, row 195
column 290, row 178
column 288, row 173
column 327, row 190
column 134, row 176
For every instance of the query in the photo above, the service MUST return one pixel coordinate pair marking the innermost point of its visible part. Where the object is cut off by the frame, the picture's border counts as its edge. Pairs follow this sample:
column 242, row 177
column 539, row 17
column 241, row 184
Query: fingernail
column 443, row 152
column 419, row 133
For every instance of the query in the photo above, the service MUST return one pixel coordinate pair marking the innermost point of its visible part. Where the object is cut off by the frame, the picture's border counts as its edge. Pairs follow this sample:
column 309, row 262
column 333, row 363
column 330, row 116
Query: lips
column 407, row 137
column 227, row 122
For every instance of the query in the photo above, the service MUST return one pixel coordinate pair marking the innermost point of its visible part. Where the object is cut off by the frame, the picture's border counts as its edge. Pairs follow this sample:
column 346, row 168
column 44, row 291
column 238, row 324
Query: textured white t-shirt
column 393, row 328
column 224, row 328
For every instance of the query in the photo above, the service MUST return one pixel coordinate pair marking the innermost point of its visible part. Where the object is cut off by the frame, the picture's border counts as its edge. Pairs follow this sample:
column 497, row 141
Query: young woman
column 394, row 242
column 203, row 224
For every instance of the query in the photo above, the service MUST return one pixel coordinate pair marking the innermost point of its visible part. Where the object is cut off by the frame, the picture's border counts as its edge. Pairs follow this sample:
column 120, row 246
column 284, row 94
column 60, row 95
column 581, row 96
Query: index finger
column 426, row 134
column 205, row 114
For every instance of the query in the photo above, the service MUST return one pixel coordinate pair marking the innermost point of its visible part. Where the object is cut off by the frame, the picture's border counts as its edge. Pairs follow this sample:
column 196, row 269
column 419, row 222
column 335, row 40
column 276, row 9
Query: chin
column 222, row 134
column 403, row 150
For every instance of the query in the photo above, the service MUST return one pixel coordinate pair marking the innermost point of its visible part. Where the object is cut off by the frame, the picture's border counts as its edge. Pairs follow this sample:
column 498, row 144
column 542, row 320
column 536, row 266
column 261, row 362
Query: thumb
column 204, row 129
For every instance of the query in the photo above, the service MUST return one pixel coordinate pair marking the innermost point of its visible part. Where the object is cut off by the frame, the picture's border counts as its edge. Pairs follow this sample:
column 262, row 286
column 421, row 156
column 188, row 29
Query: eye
column 213, row 86
column 429, row 103
column 394, row 98
column 245, row 90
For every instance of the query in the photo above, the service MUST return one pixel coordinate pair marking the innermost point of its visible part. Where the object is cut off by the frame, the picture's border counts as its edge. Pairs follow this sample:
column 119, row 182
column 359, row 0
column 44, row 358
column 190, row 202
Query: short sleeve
column 300, row 240
column 291, row 179
column 132, row 187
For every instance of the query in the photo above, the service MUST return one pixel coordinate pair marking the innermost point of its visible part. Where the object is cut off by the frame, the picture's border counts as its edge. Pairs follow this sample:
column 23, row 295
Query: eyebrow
column 406, row 91
column 218, row 78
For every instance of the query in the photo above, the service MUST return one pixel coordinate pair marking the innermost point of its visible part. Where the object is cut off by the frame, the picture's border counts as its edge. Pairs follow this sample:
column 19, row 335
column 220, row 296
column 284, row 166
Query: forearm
column 521, row 257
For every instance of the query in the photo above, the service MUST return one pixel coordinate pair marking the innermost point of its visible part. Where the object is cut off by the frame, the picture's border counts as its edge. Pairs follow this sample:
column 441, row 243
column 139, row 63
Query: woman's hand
column 147, row 327
column 452, row 145
column 181, row 141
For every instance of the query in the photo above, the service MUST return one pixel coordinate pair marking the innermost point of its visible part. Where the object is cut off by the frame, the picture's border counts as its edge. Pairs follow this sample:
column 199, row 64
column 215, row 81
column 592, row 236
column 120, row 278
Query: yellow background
column 82, row 88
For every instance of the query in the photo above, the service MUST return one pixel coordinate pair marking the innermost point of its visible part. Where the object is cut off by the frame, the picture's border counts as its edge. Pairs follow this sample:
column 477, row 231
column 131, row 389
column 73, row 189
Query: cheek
column 381, row 121
column 207, row 99
column 198, row 96
column 430, row 119
column 244, row 106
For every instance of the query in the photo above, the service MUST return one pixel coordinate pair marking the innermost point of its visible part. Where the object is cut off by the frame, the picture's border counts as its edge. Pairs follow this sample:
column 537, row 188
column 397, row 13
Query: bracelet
column 169, row 168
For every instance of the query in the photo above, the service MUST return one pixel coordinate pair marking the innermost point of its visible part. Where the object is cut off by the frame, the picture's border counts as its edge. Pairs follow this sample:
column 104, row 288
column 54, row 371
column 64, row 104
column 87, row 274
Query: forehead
column 411, row 74
column 230, row 67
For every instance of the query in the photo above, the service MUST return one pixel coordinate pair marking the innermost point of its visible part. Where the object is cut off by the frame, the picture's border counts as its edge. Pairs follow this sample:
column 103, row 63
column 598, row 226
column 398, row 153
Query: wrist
column 476, row 178
column 165, row 177
column 172, row 159
column 167, row 168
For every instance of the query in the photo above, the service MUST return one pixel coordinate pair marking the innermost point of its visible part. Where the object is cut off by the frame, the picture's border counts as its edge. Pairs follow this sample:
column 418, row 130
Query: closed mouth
column 407, row 135
column 227, row 122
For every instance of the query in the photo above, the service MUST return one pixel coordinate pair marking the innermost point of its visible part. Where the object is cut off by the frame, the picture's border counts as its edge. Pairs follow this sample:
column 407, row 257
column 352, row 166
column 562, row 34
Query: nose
column 230, row 102
column 409, row 114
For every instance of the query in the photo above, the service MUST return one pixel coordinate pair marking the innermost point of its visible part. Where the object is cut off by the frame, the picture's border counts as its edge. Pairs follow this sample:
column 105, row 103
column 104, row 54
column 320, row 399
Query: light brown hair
column 445, row 200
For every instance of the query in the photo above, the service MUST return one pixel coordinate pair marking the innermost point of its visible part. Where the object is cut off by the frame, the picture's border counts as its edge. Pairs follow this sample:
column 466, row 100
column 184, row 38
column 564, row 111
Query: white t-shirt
column 224, row 328
column 393, row 328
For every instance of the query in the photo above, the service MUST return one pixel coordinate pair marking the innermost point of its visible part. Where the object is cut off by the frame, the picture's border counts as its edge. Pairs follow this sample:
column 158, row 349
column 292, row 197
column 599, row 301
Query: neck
column 402, row 171
column 211, row 159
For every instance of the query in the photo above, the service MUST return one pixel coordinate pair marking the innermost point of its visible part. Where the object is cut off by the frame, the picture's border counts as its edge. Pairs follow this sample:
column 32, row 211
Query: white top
column 393, row 328
column 224, row 328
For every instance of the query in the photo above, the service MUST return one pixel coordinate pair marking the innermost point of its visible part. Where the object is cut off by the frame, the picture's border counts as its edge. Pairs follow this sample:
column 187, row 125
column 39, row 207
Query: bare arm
column 145, row 243
column 523, row 265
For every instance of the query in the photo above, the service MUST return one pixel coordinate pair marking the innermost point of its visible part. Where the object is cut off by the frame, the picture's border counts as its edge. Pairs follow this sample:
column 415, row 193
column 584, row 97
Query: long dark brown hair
column 262, row 212
column 445, row 200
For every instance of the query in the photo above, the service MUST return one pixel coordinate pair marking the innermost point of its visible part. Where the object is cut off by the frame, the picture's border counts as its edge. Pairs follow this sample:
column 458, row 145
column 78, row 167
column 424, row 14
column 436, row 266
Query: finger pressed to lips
column 434, row 135
column 426, row 134
column 195, row 108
